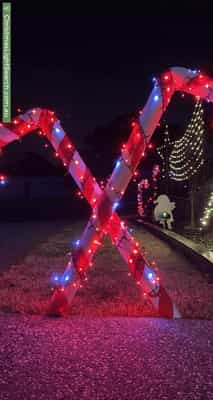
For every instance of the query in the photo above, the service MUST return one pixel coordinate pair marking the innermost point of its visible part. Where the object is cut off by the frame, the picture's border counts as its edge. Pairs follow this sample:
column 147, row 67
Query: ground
column 107, row 355
column 105, row 359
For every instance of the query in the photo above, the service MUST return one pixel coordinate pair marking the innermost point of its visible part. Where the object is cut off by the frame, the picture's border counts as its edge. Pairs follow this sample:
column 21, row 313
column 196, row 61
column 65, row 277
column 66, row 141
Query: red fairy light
column 97, row 242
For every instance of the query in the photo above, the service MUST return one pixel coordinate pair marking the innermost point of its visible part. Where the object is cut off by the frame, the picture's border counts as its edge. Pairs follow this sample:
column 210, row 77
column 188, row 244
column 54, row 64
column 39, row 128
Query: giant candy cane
column 104, row 219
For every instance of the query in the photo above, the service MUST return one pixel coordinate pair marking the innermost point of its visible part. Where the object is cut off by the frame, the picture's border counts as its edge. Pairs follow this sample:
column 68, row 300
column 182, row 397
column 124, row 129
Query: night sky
column 90, row 69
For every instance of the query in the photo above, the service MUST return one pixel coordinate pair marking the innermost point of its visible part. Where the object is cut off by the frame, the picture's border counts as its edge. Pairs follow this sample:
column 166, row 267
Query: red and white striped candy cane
column 177, row 78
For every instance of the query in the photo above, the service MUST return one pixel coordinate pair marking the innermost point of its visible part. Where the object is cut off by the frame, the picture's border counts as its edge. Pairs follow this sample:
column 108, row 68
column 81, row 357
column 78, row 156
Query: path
column 105, row 359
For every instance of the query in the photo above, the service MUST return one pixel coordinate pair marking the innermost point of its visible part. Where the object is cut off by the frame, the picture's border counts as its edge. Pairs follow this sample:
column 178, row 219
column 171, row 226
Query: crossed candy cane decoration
column 104, row 219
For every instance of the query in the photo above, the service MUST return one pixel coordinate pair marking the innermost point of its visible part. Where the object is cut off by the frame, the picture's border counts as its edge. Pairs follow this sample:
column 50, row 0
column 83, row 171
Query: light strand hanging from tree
column 144, row 184
column 164, row 150
column 187, row 155
column 208, row 212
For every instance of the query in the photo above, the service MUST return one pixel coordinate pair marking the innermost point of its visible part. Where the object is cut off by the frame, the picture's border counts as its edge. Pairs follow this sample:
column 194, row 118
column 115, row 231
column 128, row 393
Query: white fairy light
column 208, row 211
column 187, row 155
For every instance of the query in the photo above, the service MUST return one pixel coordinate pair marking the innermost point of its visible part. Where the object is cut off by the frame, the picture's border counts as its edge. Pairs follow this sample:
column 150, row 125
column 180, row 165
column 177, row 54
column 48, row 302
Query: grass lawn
column 26, row 287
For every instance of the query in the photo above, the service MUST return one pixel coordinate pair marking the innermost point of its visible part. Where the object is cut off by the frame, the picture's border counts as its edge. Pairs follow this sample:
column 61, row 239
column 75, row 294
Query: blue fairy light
column 150, row 275
column 55, row 279
column 115, row 205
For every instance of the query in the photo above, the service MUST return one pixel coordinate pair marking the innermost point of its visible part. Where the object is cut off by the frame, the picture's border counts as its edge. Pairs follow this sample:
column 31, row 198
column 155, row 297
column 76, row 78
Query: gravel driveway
column 119, row 358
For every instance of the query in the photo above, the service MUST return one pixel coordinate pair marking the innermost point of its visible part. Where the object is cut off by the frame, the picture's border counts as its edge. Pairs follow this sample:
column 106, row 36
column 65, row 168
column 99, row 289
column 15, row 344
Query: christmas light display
column 187, row 155
column 3, row 180
column 208, row 212
column 163, row 152
column 104, row 219
column 144, row 184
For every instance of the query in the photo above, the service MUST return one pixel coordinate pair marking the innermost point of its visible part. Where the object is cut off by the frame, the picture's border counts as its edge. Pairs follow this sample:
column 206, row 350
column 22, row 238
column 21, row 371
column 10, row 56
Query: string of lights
column 144, row 184
column 163, row 151
column 208, row 212
column 187, row 155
